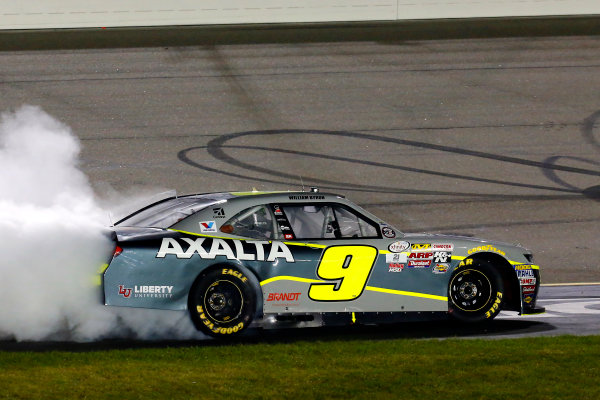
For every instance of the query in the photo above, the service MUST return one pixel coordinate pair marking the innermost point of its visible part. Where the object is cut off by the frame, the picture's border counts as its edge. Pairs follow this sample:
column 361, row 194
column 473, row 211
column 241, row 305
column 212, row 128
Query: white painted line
column 572, row 284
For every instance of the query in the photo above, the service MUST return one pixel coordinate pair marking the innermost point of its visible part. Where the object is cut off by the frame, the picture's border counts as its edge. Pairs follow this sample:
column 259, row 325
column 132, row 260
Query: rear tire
column 222, row 303
column 475, row 292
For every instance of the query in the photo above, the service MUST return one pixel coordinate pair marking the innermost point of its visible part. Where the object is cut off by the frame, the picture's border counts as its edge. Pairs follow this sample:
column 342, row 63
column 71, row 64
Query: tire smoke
column 53, row 241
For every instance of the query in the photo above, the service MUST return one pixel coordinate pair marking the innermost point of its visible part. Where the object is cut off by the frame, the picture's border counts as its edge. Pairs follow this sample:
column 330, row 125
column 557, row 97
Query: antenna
column 110, row 219
column 302, row 182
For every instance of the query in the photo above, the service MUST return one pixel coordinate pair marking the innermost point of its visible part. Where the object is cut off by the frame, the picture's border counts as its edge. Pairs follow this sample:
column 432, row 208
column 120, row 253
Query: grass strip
column 534, row 368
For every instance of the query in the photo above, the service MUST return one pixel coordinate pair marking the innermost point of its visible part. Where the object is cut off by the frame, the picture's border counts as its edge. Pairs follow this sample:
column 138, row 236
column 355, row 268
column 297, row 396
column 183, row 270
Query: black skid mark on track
column 216, row 149
column 588, row 129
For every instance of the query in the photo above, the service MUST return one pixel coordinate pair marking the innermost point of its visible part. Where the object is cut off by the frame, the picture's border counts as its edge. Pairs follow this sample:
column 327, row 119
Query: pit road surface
column 496, row 138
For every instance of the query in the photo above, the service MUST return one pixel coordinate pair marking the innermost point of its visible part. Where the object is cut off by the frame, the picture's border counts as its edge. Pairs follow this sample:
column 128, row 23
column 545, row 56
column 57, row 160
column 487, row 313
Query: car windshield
column 167, row 213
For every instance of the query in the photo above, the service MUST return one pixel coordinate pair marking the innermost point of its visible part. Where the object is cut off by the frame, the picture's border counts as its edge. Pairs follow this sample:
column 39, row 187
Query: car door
column 336, row 251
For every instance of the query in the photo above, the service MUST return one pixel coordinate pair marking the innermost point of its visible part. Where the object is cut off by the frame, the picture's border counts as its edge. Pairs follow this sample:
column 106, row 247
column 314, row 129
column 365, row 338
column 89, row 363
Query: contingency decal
column 488, row 247
column 440, row 268
column 396, row 261
column 420, row 259
column 398, row 247
column 282, row 221
column 210, row 248
column 388, row 232
column 433, row 247
column 208, row 227
column 525, row 274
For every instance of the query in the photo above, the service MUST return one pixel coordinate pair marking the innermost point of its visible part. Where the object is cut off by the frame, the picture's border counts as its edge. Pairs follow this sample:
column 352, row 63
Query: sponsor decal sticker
column 440, row 268
column 421, row 255
column 218, row 212
column 395, row 267
column 398, row 247
column 396, row 258
column 528, row 289
column 419, row 263
column 210, row 248
column 527, row 281
column 488, row 247
column 442, row 256
column 528, row 299
column 443, row 246
column 388, row 232
column 421, row 246
column 154, row 291
column 288, row 236
column 125, row 292
column 522, row 267
column 208, row 226
column 277, row 210
column 283, row 297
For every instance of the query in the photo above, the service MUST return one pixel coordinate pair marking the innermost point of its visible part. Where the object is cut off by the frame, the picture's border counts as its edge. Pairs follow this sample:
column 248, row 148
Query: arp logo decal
column 210, row 248
column 420, row 259
column 421, row 255
column 208, row 226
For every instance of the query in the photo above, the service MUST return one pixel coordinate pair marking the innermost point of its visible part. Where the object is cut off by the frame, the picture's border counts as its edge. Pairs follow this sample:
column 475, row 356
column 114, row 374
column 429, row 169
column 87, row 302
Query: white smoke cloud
column 52, row 242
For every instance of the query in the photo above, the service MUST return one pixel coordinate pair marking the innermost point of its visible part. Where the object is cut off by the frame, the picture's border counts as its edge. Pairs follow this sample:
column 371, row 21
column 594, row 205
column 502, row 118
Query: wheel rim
column 223, row 301
column 470, row 290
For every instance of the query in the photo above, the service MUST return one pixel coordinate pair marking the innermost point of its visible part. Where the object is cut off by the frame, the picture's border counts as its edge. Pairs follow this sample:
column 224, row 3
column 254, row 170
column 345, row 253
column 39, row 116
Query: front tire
column 475, row 292
column 222, row 302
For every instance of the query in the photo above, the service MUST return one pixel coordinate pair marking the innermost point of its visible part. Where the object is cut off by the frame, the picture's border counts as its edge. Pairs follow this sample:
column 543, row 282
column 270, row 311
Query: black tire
column 222, row 302
column 475, row 292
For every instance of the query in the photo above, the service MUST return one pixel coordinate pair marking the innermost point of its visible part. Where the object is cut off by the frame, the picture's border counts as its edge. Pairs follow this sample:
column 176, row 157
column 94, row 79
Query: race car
column 293, row 259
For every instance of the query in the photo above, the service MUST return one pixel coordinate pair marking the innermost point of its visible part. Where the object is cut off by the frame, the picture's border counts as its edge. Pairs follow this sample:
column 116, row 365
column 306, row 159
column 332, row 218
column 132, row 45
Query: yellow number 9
column 349, row 267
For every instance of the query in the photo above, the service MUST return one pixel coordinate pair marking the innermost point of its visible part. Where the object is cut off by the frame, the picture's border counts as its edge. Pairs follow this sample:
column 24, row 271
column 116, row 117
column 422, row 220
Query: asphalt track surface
column 497, row 138
column 490, row 137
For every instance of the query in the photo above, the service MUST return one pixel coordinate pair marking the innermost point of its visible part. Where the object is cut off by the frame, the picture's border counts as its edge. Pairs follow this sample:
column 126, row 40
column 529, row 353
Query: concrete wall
column 35, row 14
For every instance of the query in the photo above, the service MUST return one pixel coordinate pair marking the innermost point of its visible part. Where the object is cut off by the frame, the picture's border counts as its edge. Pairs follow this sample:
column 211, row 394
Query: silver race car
column 282, row 259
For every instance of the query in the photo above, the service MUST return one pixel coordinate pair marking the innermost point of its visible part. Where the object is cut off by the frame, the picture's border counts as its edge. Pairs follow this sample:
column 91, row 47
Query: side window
column 311, row 221
column 255, row 222
column 352, row 226
column 326, row 221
